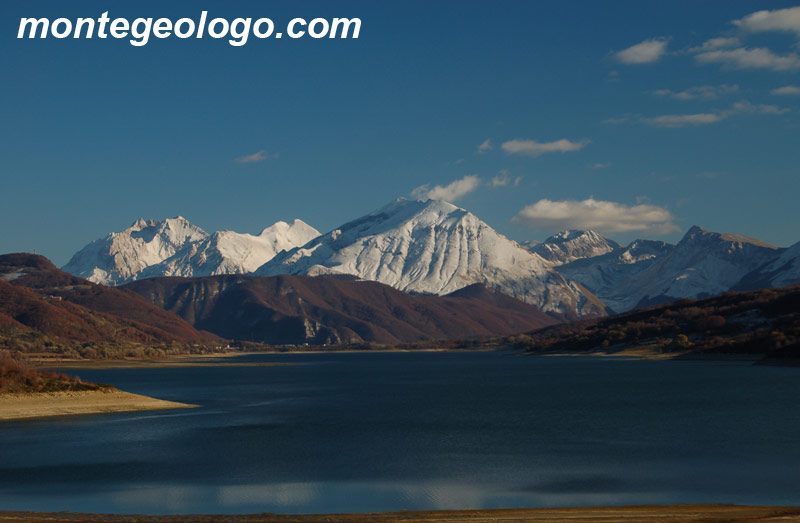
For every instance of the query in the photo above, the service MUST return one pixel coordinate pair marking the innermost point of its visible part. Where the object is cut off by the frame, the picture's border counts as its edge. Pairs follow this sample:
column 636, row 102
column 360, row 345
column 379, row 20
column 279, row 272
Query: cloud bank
column 260, row 156
column 716, row 43
column 451, row 192
column 598, row 215
column 534, row 148
column 503, row 178
column 683, row 120
column 755, row 58
column 485, row 146
column 777, row 20
column 695, row 119
column 702, row 92
column 787, row 90
column 645, row 52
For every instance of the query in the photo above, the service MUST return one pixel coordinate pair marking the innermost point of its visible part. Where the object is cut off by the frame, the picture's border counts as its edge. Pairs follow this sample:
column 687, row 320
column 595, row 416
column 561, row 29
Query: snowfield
column 435, row 247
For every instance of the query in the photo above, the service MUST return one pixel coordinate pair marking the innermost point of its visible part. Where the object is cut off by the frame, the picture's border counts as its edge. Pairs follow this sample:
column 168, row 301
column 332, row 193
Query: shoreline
column 206, row 360
column 219, row 359
column 654, row 513
column 35, row 405
column 176, row 361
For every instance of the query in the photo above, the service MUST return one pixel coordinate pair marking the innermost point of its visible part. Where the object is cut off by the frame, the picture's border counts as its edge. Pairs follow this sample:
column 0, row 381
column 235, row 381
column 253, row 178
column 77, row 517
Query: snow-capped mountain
column 175, row 247
column 529, row 244
column 603, row 274
column 702, row 264
column 229, row 252
column 435, row 247
column 121, row 256
column 571, row 245
column 784, row 270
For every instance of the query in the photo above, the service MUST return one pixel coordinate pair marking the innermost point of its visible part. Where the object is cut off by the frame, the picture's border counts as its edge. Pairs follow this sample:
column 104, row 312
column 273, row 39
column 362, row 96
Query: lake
column 389, row 431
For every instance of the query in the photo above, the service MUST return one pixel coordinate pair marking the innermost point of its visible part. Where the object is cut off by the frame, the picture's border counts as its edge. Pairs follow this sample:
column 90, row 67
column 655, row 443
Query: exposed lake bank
column 659, row 513
column 70, row 403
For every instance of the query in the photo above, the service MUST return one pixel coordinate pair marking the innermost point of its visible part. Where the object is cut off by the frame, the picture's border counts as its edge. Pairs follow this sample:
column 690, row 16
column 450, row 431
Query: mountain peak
column 176, row 247
column 403, row 204
column 566, row 235
column 296, row 228
column 434, row 247
column 696, row 233
column 573, row 244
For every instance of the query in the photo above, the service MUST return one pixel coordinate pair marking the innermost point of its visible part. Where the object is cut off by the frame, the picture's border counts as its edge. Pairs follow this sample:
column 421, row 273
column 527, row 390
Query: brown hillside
column 31, row 322
column 40, row 275
column 324, row 310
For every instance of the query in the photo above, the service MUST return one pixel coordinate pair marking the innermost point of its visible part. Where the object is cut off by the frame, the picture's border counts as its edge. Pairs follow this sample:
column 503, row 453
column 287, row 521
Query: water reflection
column 338, row 498
column 374, row 432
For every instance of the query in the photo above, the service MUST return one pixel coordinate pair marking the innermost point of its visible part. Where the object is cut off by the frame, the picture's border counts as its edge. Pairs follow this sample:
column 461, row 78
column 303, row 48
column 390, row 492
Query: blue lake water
column 389, row 431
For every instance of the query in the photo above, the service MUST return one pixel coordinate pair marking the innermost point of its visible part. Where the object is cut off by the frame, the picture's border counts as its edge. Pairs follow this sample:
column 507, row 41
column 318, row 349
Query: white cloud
column 619, row 120
column 645, row 52
column 716, row 43
column 755, row 58
column 703, row 92
column 451, row 192
column 778, row 20
column 686, row 120
column 260, row 156
column 744, row 106
column 683, row 120
column 603, row 216
column 485, row 146
column 534, row 148
column 503, row 178
column 787, row 90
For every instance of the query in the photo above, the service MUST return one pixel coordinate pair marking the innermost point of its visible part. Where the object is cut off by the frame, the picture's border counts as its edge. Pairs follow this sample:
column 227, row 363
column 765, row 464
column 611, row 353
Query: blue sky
column 636, row 118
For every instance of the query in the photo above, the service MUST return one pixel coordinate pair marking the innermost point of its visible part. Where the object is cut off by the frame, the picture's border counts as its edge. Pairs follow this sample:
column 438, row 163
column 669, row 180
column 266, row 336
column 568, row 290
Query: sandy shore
column 39, row 405
column 649, row 513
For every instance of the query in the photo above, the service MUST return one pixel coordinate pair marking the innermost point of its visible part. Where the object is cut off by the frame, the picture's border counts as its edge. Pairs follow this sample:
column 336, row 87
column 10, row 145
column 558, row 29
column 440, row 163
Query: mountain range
column 435, row 247
column 764, row 323
column 326, row 310
column 43, row 309
column 175, row 247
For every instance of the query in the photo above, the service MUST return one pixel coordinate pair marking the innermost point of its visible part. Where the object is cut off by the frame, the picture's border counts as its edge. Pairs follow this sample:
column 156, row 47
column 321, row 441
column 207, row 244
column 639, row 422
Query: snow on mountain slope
column 784, row 270
column 572, row 245
column 120, row 256
column 703, row 264
column 229, row 252
column 602, row 274
column 435, row 247
column 175, row 247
